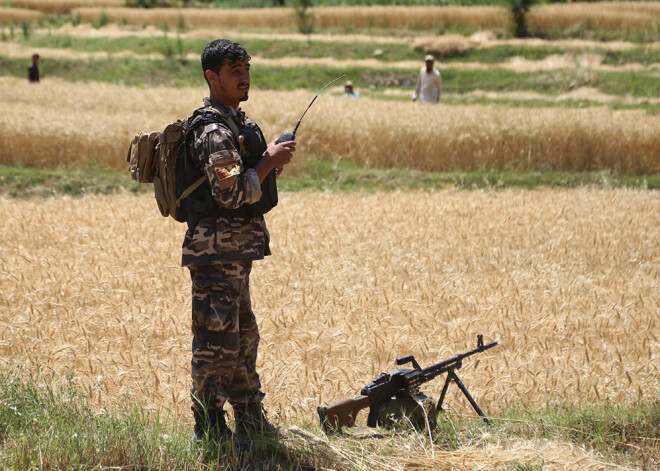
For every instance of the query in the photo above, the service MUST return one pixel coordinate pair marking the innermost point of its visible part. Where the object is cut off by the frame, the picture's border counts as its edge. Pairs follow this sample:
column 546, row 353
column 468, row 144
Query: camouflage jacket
column 219, row 239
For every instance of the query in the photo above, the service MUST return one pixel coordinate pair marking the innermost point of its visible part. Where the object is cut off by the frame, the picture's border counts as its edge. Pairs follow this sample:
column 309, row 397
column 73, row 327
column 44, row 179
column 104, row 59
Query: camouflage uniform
column 219, row 252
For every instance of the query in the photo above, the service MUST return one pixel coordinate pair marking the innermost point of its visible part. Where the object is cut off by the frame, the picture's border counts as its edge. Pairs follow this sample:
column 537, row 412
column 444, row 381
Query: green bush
column 304, row 17
column 101, row 21
column 25, row 27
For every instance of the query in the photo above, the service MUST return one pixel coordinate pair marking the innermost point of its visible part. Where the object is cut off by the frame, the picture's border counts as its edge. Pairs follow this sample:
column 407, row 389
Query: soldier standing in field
column 226, row 233
column 429, row 83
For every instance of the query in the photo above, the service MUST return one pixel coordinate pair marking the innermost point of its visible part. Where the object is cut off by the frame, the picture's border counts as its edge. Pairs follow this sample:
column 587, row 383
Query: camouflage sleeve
column 215, row 153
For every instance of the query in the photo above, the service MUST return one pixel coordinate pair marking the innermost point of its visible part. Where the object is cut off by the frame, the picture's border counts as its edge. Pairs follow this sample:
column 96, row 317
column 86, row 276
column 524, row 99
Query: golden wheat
column 324, row 17
column 403, row 19
column 565, row 281
column 64, row 6
column 445, row 45
column 17, row 15
column 607, row 15
column 93, row 123
column 402, row 452
column 604, row 15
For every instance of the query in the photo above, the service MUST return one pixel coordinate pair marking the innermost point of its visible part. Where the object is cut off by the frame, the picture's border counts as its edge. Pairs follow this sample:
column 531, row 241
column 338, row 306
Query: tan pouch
column 141, row 157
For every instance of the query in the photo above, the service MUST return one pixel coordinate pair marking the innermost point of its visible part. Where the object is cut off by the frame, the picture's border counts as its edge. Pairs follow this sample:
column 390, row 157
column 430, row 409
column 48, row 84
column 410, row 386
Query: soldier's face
column 232, row 83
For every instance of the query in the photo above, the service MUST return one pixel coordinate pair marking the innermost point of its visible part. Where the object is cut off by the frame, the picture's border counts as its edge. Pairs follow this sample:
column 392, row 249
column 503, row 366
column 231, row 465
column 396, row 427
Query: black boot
column 251, row 424
column 210, row 424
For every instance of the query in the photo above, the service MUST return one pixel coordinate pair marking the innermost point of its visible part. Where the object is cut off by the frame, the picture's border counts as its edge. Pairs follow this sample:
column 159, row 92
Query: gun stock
column 341, row 413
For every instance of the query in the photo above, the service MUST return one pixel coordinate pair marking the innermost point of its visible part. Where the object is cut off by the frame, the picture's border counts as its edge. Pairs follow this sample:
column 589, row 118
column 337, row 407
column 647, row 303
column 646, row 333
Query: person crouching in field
column 226, row 233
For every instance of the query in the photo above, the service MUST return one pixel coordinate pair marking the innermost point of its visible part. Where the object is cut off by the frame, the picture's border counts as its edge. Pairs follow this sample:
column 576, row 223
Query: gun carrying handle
column 408, row 359
column 341, row 413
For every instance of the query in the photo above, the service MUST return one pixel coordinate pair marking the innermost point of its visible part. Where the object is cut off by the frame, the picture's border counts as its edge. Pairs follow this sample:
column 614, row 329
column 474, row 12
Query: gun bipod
column 452, row 376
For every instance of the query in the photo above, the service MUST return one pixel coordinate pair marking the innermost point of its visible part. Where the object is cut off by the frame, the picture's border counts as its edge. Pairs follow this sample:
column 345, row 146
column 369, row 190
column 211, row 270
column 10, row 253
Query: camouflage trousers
column 225, row 336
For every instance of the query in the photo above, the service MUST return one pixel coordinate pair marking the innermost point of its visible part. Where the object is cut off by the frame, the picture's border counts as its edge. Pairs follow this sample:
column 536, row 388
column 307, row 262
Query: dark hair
column 217, row 52
column 35, row 56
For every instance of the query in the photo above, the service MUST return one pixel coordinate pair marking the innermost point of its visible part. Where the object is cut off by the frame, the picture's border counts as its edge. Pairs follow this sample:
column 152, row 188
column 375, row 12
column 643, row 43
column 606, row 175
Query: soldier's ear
column 212, row 77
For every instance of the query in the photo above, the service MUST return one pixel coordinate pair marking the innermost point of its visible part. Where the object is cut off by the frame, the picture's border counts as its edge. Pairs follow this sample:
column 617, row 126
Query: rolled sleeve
column 231, row 187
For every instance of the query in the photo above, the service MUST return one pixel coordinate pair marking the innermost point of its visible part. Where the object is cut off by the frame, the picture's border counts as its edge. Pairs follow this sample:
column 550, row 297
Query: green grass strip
column 618, row 431
column 320, row 175
column 345, row 176
column 172, row 45
column 50, row 426
column 45, row 426
column 449, row 99
column 21, row 182
column 130, row 71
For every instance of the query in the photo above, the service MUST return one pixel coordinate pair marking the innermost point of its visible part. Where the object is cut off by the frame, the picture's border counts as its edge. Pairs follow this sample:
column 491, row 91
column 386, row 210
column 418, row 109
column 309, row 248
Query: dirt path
column 515, row 64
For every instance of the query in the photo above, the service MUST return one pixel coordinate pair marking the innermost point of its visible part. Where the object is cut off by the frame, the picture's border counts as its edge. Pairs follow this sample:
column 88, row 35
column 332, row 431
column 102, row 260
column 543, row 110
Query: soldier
column 226, row 232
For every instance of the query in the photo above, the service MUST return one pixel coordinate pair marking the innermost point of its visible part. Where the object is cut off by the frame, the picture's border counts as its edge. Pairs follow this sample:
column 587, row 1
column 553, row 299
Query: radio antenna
column 290, row 136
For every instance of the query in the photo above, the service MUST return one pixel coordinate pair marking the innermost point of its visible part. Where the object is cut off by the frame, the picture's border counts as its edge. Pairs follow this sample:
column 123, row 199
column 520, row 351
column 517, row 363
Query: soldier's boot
column 251, row 425
column 211, row 425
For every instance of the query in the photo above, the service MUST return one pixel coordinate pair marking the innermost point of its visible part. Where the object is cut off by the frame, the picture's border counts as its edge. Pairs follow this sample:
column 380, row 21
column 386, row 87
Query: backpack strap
column 190, row 189
column 224, row 119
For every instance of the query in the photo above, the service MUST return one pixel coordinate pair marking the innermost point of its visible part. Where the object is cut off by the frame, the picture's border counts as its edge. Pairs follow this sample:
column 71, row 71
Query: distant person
column 429, row 84
column 33, row 69
column 349, row 91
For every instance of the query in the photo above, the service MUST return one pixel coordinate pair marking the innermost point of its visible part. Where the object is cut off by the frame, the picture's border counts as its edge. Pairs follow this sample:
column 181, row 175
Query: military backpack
column 161, row 158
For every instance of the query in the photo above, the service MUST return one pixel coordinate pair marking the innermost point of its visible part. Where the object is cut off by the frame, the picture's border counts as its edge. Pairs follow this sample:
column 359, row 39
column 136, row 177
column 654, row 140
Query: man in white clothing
column 429, row 84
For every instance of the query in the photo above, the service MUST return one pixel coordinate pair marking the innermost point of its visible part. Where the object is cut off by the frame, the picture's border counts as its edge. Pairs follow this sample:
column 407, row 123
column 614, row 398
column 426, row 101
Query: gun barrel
column 446, row 365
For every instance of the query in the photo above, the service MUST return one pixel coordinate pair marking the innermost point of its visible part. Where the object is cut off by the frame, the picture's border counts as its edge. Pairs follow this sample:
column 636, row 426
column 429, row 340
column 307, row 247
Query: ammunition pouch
column 418, row 411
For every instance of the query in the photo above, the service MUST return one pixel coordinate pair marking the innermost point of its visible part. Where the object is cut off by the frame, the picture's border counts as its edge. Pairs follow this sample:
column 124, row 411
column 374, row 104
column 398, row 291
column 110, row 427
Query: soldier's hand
column 282, row 153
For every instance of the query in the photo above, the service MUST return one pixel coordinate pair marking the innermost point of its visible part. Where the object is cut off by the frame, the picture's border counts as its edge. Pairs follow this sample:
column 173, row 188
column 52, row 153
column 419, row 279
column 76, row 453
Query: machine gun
column 393, row 396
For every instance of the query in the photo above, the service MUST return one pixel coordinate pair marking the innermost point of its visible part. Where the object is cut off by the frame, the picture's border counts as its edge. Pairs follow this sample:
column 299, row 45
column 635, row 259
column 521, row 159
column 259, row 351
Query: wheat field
column 60, row 7
column 370, row 132
column 605, row 15
column 18, row 15
column 324, row 17
column 566, row 282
